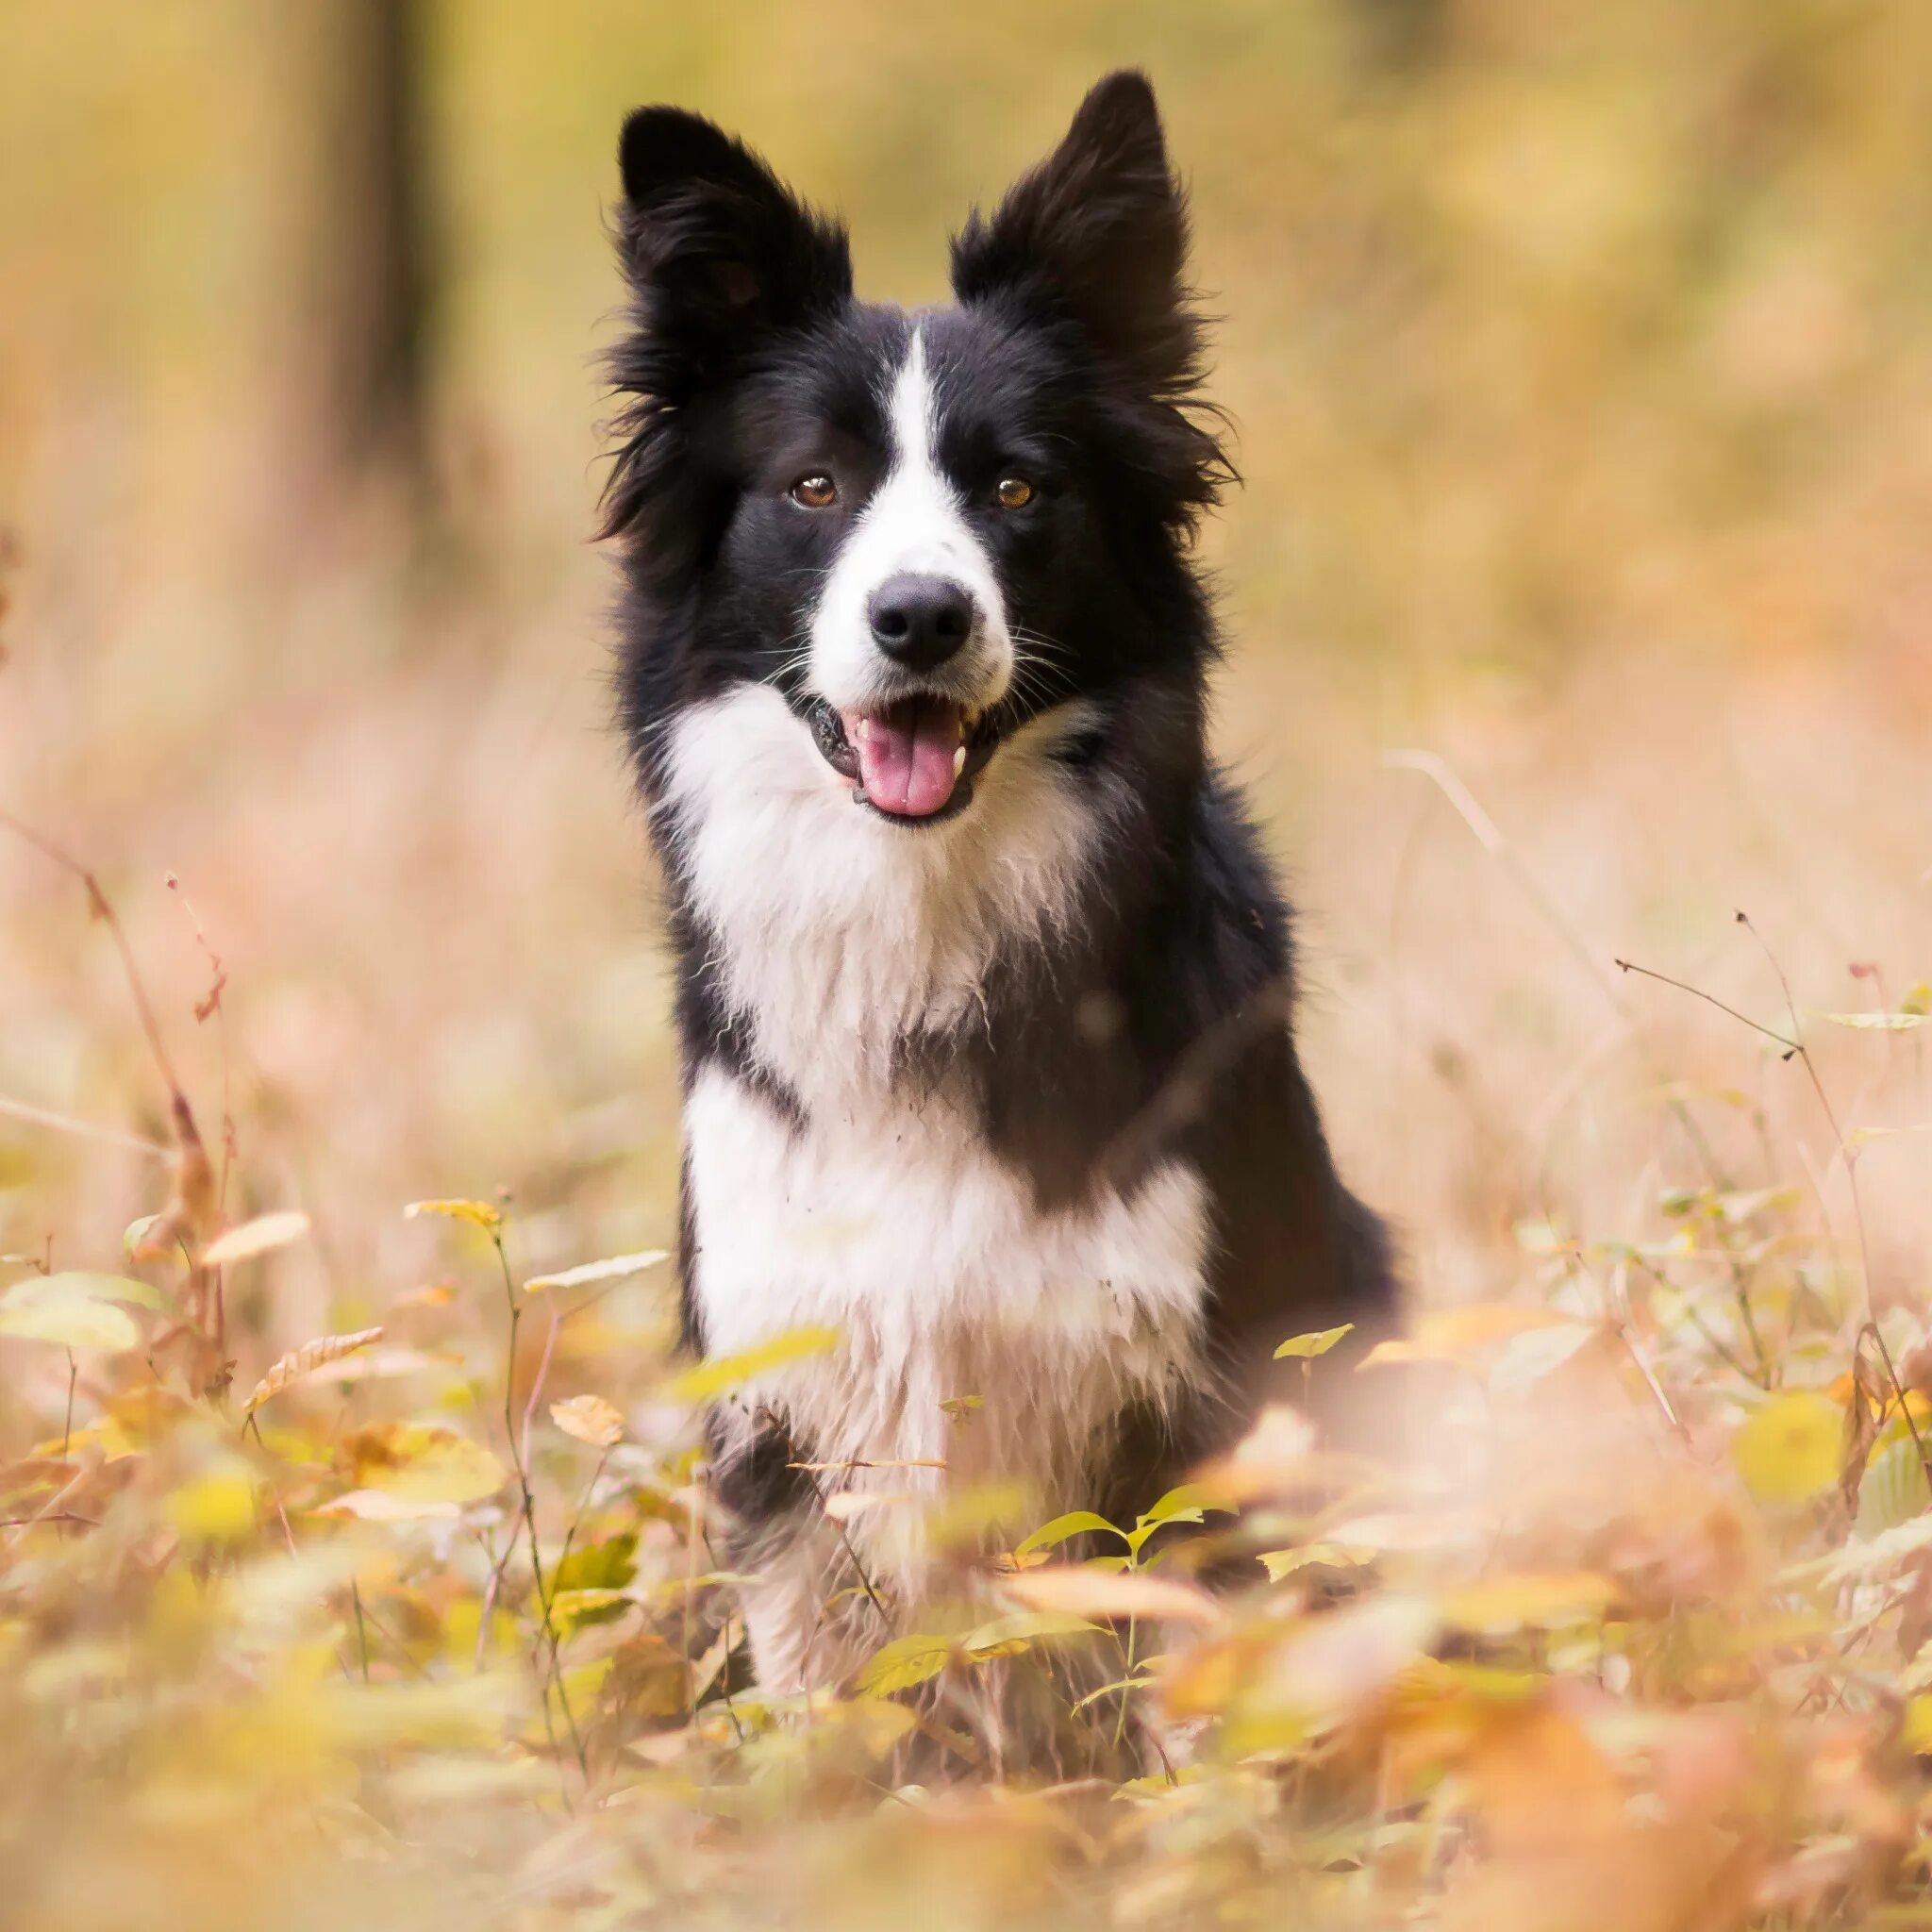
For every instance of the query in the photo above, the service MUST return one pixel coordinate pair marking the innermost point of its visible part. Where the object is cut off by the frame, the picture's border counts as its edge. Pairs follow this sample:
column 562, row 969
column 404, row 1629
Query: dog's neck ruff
column 841, row 945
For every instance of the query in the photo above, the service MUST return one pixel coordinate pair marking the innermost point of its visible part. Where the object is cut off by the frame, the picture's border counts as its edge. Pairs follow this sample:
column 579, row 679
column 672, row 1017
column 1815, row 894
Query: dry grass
column 1616, row 1659
column 1577, row 363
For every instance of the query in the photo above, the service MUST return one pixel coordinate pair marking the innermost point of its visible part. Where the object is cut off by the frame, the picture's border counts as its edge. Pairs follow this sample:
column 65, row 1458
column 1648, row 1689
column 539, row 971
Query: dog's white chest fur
column 902, row 1232
column 885, row 1215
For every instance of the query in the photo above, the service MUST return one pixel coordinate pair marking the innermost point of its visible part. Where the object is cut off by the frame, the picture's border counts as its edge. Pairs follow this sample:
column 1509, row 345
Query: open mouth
column 912, row 760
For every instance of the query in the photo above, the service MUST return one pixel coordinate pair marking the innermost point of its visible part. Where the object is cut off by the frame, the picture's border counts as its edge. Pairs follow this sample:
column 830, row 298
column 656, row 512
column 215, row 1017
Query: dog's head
column 920, row 529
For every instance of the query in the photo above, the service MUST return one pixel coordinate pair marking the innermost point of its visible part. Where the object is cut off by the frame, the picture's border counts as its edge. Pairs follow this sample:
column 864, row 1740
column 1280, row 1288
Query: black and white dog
column 982, row 978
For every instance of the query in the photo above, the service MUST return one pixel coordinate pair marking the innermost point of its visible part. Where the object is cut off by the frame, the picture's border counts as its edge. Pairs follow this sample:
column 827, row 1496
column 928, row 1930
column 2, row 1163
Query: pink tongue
column 906, row 757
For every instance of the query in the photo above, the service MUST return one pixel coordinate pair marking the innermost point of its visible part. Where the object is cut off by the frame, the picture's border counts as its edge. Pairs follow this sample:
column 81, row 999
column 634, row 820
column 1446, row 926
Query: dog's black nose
column 919, row 622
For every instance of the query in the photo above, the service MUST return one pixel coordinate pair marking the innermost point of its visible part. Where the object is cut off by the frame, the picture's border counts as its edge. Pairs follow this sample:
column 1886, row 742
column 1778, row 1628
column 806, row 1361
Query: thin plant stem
column 362, row 1630
column 519, row 1459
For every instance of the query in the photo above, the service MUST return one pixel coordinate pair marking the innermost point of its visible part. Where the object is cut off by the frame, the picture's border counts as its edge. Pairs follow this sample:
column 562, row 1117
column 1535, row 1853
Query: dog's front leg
column 810, row 1615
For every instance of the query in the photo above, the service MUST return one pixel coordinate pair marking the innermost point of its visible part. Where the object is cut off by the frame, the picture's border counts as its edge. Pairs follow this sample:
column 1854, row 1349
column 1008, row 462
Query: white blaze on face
column 914, row 525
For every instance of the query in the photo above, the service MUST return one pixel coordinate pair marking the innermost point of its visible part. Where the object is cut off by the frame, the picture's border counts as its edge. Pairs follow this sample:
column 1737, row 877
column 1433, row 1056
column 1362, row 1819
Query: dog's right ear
column 717, row 250
column 719, row 257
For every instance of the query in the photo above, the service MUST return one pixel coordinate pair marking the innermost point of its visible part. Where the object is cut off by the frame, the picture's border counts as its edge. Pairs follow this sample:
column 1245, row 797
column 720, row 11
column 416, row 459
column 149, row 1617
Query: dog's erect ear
column 717, row 250
column 719, row 258
column 1097, row 232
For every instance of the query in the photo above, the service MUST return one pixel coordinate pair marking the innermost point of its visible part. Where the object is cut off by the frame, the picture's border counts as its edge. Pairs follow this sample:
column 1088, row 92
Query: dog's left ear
column 1097, row 233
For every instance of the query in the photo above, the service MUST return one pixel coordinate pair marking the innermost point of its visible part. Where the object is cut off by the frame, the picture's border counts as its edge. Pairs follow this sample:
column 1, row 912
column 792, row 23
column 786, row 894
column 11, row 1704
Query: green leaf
column 1049, row 1536
column 606, row 1565
column 1009, row 1636
column 1185, row 1504
column 1306, row 1347
column 902, row 1663
column 1144, row 1529
column 712, row 1378
column 1133, row 1683
column 1880, row 1023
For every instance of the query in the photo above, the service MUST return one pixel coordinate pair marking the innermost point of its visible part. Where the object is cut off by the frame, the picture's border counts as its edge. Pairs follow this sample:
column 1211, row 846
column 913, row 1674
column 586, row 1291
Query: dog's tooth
column 959, row 760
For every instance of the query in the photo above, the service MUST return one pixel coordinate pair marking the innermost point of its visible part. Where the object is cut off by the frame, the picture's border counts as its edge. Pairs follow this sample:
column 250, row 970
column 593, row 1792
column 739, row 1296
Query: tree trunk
column 362, row 269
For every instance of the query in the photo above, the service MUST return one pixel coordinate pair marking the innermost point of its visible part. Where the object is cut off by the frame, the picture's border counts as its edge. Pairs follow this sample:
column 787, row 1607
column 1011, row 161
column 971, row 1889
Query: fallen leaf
column 305, row 1361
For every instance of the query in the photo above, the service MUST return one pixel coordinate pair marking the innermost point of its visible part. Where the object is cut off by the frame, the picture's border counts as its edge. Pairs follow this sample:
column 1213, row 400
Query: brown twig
column 85, row 1130
column 1490, row 837
column 1791, row 1047
column 99, row 906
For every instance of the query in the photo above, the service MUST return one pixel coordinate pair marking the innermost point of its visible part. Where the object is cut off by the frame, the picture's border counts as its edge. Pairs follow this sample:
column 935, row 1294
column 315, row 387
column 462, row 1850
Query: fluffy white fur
column 913, row 523
column 837, row 936
column 840, row 935
column 895, row 1227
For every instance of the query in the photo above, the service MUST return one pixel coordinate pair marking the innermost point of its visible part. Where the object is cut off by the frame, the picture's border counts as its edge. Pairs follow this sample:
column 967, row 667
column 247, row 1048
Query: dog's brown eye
column 1015, row 492
column 815, row 492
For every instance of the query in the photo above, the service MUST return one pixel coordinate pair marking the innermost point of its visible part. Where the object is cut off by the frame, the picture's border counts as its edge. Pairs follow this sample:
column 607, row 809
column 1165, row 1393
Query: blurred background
column 1577, row 360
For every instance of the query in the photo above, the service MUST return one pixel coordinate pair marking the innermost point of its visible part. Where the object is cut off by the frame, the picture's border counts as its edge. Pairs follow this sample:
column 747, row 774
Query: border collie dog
column 982, row 977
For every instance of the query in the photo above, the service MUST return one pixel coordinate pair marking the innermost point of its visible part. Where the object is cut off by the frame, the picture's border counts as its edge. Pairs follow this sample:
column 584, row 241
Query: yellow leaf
column 616, row 1269
column 1009, row 1636
column 1306, row 1347
column 1280, row 1563
column 902, row 1663
column 590, row 1419
column 1918, row 1726
column 478, row 1213
column 89, row 1284
column 217, row 1507
column 714, row 1377
column 53, row 1310
column 257, row 1237
column 434, row 1295
column 305, row 1361
column 1790, row 1449
column 1529, row 1602
column 1456, row 1335
column 435, row 1465
column 1075, row 1523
